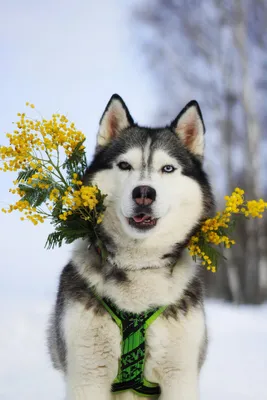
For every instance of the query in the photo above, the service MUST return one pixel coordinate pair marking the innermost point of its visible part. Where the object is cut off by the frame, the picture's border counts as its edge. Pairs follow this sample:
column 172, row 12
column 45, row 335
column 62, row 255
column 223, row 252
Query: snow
column 235, row 368
column 237, row 358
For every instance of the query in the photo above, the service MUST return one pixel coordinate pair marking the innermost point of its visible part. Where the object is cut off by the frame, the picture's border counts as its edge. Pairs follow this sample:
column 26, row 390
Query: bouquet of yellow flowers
column 49, row 156
column 216, row 231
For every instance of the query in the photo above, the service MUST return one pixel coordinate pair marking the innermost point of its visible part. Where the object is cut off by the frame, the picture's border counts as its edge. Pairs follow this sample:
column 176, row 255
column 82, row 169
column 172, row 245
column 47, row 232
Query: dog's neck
column 137, row 257
column 134, row 254
column 135, row 289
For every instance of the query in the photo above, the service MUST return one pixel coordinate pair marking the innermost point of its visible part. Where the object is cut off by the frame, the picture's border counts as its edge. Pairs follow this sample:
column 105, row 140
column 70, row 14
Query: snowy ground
column 235, row 370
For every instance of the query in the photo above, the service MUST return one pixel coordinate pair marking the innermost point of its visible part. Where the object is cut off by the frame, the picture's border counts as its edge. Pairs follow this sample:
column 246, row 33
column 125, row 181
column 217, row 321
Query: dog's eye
column 168, row 168
column 124, row 166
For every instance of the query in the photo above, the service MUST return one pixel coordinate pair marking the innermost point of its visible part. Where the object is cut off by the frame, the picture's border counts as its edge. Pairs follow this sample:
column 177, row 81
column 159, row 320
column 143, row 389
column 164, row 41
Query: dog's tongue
column 140, row 218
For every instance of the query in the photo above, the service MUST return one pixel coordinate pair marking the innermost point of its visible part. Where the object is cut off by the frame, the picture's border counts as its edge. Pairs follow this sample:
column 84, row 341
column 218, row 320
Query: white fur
column 146, row 288
column 93, row 345
column 94, row 348
column 178, row 205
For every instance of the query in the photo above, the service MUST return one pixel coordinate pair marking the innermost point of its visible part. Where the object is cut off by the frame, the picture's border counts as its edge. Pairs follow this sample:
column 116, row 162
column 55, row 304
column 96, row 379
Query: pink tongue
column 139, row 218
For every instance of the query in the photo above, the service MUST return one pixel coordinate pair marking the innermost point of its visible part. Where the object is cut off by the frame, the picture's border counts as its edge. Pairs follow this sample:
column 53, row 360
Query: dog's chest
column 145, row 289
column 164, row 340
column 170, row 343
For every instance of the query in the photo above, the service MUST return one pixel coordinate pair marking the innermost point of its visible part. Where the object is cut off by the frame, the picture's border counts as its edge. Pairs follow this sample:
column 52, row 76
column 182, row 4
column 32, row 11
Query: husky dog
column 157, row 197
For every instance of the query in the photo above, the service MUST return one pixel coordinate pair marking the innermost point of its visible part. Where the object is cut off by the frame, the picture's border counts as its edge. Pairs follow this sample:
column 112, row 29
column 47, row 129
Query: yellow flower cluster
column 84, row 200
column 236, row 204
column 196, row 251
column 214, row 230
column 75, row 180
column 31, row 213
column 34, row 151
column 54, row 195
column 254, row 208
column 33, row 137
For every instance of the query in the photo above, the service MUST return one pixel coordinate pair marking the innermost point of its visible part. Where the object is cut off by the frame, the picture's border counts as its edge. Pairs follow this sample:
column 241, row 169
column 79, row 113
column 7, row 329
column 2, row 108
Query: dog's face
column 153, row 177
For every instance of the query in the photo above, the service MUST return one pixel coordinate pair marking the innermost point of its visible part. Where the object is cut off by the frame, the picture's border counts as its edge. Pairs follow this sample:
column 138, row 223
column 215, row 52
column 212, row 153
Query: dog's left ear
column 115, row 119
column 190, row 128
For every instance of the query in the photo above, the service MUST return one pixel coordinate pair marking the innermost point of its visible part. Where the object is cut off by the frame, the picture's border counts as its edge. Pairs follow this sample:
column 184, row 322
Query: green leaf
column 70, row 230
column 213, row 254
column 54, row 239
column 103, row 250
column 30, row 193
column 76, row 163
column 26, row 174
column 34, row 195
column 41, row 197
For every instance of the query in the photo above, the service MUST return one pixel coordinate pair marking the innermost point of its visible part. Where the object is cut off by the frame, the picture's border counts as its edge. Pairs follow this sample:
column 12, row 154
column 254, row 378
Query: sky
column 69, row 57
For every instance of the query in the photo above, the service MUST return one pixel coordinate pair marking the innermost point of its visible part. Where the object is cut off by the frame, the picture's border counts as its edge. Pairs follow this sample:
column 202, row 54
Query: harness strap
column 132, row 362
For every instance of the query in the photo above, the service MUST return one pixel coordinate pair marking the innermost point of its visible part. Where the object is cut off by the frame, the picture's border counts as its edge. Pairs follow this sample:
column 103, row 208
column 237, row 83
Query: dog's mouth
column 142, row 221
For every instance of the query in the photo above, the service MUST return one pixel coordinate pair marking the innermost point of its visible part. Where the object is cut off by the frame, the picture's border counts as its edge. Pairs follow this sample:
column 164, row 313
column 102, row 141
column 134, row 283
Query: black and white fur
column 148, row 263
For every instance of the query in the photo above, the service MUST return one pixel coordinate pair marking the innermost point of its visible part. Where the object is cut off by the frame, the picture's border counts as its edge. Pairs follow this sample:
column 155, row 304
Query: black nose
column 144, row 195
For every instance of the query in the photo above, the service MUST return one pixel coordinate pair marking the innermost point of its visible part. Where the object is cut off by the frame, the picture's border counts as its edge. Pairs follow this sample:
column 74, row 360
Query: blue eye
column 168, row 169
column 124, row 166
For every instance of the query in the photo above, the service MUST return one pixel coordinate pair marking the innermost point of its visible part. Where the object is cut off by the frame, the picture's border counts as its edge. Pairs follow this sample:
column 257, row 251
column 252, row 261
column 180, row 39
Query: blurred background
column 70, row 57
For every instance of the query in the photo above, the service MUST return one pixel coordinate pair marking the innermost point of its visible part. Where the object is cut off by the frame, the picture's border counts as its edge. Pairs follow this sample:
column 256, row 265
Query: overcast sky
column 69, row 57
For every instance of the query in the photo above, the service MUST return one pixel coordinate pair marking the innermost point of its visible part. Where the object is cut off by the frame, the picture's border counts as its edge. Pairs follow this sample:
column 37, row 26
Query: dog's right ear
column 114, row 120
column 190, row 128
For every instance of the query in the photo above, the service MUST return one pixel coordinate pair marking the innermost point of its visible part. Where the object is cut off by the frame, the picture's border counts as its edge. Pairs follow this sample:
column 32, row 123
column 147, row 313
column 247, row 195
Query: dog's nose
column 144, row 195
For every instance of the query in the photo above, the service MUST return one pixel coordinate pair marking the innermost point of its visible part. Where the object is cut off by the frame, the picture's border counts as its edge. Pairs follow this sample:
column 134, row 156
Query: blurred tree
column 216, row 52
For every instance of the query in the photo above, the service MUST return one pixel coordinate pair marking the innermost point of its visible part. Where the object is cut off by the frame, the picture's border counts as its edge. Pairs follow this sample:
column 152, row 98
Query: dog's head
column 154, row 179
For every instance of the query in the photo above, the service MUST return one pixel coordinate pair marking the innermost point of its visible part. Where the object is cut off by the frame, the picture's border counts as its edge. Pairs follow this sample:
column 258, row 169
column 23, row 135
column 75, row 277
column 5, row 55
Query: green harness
column 131, row 364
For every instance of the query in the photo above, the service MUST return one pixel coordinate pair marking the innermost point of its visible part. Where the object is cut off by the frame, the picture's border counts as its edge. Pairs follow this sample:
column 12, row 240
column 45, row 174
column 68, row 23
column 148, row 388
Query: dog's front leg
column 177, row 345
column 180, row 385
column 93, row 348
column 87, row 392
